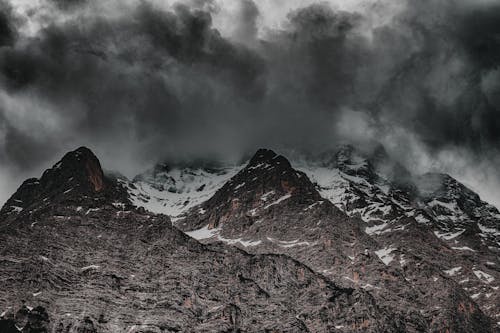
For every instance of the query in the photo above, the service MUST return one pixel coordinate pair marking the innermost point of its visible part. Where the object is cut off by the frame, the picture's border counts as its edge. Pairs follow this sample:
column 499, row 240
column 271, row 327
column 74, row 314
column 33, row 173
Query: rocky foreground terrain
column 343, row 242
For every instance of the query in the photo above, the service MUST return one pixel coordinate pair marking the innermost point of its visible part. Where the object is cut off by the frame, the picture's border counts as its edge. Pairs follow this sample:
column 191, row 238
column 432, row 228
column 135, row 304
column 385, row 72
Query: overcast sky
column 140, row 81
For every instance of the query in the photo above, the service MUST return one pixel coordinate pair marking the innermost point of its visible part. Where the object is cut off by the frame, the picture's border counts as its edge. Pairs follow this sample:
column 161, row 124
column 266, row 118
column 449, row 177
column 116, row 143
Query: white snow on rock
column 385, row 255
column 206, row 233
column 463, row 248
column 292, row 243
column 203, row 233
column 16, row 209
column 421, row 219
column 176, row 191
column 485, row 277
column 266, row 195
column 283, row 198
column 402, row 260
column 451, row 206
column 453, row 271
column 90, row 210
column 487, row 230
column 448, row 235
column 332, row 186
column 245, row 243
column 376, row 229
column 239, row 186
column 93, row 267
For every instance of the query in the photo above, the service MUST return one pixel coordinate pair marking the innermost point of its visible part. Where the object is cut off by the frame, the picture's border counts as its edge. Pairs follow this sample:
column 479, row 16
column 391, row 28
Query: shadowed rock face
column 267, row 182
column 76, row 179
column 84, row 260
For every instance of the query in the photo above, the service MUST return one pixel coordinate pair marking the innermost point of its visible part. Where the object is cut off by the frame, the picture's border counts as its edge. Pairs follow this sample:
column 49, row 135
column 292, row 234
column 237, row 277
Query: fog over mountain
column 141, row 81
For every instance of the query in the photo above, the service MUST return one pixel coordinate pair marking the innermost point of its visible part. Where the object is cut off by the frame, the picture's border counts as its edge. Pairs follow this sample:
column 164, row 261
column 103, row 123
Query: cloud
column 140, row 81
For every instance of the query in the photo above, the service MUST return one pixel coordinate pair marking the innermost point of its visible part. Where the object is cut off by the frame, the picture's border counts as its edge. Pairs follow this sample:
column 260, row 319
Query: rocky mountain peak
column 265, row 187
column 77, row 179
column 268, row 156
column 268, row 172
column 351, row 161
column 82, row 165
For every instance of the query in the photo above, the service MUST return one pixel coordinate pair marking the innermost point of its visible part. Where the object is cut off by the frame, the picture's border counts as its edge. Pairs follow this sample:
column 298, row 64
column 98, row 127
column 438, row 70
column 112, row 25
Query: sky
column 142, row 81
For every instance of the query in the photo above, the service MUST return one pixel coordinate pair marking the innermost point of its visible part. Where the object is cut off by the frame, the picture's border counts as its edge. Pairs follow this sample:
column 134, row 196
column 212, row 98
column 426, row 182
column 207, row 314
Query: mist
column 142, row 81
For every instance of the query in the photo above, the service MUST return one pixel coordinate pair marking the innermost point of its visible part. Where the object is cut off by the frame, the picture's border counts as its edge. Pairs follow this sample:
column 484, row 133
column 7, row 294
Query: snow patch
column 283, row 198
column 203, row 233
column 206, row 233
column 90, row 267
column 287, row 244
column 463, row 248
column 176, row 191
column 453, row 271
column 239, row 186
column 448, row 235
column 385, row 255
column 266, row 195
column 487, row 230
column 485, row 277
column 376, row 229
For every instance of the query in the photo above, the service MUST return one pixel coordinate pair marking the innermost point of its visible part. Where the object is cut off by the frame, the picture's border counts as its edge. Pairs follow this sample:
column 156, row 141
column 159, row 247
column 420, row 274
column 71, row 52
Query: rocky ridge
column 270, row 207
column 86, row 260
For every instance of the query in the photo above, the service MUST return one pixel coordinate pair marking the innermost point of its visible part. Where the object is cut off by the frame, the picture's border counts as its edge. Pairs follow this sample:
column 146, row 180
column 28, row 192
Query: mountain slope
column 172, row 190
column 271, row 207
column 86, row 261
column 407, row 214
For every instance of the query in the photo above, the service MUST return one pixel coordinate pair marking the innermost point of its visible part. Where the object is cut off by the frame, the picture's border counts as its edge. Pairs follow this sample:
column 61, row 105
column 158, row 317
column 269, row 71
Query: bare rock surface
column 270, row 207
column 76, row 256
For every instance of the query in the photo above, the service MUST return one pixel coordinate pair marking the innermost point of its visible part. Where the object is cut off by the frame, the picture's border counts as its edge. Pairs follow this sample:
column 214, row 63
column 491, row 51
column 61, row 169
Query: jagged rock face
column 78, row 267
column 438, row 220
column 76, row 178
column 256, row 212
column 267, row 181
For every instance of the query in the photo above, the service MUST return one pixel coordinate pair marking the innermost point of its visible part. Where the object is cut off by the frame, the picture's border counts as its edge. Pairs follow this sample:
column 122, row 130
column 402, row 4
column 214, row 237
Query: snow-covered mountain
column 172, row 190
column 407, row 222
column 401, row 252
column 366, row 186
column 78, row 257
column 362, row 186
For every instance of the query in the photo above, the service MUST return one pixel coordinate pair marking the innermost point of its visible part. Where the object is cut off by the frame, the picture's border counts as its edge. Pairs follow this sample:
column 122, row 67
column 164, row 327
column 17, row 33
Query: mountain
column 357, row 228
column 173, row 189
column 407, row 214
column 77, row 256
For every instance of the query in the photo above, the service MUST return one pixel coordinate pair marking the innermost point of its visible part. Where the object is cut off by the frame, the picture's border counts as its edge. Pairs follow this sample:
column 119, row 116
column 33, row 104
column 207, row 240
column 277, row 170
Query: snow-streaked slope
column 356, row 186
column 395, row 212
column 172, row 191
column 351, row 183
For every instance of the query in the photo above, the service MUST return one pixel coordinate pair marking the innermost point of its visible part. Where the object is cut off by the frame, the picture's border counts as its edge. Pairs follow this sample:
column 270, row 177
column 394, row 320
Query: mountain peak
column 81, row 165
column 266, row 185
column 75, row 179
column 267, row 156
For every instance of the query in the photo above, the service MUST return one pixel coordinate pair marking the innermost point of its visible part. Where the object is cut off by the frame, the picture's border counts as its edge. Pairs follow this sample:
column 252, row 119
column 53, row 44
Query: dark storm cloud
column 436, row 90
column 7, row 25
column 167, row 83
column 154, row 73
column 70, row 4
column 247, row 30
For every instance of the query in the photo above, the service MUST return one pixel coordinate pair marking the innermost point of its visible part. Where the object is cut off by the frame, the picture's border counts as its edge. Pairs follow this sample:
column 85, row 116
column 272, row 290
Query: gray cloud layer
column 142, row 82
